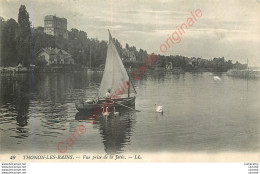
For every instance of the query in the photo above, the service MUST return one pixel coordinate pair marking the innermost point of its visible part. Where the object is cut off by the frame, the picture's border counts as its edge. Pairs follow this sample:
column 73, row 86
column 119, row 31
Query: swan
column 159, row 109
column 105, row 113
column 217, row 78
column 115, row 113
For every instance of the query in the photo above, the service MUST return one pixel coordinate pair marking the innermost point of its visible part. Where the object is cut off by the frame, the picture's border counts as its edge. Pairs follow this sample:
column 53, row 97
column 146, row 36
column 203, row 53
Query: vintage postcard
column 129, row 81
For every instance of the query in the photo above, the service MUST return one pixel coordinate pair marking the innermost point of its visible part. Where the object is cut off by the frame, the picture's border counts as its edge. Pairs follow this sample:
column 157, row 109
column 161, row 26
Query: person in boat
column 108, row 94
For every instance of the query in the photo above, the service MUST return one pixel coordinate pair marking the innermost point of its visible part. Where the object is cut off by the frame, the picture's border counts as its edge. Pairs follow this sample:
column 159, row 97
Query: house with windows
column 55, row 56
column 128, row 55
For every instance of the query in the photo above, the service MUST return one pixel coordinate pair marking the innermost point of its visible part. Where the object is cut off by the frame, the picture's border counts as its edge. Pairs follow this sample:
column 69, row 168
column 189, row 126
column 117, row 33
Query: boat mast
column 129, row 87
column 247, row 64
column 90, row 56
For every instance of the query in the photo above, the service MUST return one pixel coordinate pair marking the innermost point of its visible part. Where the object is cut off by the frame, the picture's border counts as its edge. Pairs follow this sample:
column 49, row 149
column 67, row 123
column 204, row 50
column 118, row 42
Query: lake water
column 200, row 114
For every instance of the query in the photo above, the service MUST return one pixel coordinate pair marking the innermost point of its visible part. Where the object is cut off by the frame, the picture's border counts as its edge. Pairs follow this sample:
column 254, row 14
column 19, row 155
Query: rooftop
column 54, row 51
column 51, row 17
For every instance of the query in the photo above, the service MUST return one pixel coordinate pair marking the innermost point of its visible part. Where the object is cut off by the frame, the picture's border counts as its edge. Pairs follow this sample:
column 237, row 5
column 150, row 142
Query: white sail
column 115, row 74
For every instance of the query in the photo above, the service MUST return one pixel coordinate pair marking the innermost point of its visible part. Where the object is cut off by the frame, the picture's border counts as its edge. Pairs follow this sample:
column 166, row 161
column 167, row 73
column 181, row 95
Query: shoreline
column 12, row 70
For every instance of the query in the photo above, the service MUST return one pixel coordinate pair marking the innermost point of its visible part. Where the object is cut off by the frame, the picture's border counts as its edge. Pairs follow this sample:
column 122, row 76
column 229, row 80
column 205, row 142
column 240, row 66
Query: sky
column 227, row 28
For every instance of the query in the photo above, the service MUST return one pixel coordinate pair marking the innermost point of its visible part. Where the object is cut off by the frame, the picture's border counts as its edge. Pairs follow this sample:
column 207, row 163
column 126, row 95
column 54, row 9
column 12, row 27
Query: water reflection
column 193, row 102
column 116, row 131
column 15, row 100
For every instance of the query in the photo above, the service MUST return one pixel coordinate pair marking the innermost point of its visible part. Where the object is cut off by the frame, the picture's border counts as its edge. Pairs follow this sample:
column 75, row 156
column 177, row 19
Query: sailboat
column 114, row 80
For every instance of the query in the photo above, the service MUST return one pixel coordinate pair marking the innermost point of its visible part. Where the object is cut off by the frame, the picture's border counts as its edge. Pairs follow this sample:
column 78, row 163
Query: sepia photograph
column 138, row 81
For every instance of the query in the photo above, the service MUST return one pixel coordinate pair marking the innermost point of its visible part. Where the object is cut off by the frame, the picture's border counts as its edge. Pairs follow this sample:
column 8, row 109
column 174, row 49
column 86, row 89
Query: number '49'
column 12, row 157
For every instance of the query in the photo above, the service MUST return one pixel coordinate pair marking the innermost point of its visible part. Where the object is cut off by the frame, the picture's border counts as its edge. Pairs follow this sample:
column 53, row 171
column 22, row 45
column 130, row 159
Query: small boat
column 92, row 105
column 115, row 79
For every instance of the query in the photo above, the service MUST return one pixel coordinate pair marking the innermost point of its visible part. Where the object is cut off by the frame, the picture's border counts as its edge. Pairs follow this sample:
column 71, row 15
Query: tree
column 118, row 46
column 78, row 46
column 1, row 41
column 42, row 40
column 24, row 41
column 9, row 53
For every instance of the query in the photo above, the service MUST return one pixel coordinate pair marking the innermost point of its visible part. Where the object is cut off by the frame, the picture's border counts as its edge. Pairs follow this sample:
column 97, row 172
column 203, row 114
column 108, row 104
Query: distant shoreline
column 97, row 69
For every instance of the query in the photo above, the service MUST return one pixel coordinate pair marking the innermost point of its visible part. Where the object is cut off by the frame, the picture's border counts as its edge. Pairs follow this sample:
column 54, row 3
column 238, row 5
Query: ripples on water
column 200, row 114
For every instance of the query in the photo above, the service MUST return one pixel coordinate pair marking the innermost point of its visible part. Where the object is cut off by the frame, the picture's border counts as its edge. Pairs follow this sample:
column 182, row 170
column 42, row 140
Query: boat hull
column 86, row 106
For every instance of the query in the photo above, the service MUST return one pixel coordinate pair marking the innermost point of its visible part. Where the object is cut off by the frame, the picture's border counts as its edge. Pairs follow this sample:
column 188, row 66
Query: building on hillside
column 55, row 56
column 55, row 26
column 195, row 62
column 128, row 55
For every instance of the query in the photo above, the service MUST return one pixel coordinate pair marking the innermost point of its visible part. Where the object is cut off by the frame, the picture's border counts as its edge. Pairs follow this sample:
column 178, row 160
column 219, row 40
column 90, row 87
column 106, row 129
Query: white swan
column 115, row 113
column 217, row 78
column 105, row 113
column 159, row 109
